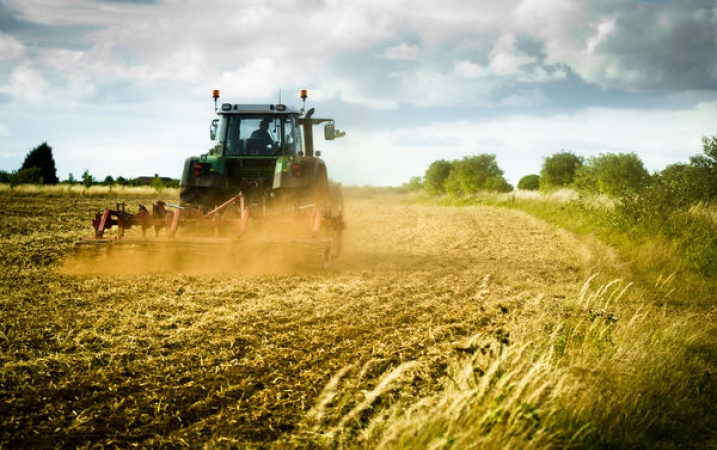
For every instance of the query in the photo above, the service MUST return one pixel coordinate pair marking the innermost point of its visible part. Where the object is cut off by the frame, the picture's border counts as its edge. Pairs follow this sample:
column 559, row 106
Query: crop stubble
column 243, row 358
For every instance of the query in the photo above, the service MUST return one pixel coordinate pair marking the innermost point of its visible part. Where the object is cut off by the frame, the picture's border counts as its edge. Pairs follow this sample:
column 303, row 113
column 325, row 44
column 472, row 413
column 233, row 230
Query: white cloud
column 437, row 21
column 604, row 28
column 506, row 60
column 28, row 84
column 429, row 87
column 552, row 22
column 60, row 59
column 10, row 47
column 468, row 69
column 258, row 80
column 212, row 41
column 190, row 41
column 402, row 52
column 508, row 64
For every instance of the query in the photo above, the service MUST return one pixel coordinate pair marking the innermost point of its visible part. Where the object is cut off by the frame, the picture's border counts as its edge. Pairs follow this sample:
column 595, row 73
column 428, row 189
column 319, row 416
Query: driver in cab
column 262, row 135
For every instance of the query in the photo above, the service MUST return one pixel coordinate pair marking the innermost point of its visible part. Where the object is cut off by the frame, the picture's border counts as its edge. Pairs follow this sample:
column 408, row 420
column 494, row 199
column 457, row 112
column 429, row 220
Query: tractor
column 261, row 177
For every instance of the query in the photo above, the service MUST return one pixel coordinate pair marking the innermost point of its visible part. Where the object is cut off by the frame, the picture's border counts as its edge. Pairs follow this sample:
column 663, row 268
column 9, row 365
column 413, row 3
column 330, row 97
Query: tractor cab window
column 289, row 134
column 259, row 135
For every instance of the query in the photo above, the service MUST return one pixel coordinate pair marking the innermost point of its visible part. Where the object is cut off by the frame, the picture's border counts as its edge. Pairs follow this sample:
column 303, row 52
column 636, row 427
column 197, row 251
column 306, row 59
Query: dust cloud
column 253, row 254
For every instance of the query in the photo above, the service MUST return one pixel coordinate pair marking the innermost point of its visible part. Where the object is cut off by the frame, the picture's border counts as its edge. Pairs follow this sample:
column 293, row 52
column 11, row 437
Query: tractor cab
column 256, row 130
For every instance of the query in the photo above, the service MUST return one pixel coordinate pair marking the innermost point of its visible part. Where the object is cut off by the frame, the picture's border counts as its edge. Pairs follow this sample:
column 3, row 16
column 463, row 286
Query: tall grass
column 593, row 372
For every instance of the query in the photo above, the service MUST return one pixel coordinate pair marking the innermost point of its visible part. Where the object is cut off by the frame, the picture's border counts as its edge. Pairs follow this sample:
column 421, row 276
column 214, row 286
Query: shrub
column 87, row 179
column 529, row 183
column 436, row 176
column 705, row 170
column 559, row 170
column 612, row 174
column 474, row 174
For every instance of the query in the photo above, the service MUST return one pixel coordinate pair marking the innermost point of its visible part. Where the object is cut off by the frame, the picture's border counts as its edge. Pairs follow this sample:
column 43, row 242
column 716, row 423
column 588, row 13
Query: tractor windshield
column 259, row 135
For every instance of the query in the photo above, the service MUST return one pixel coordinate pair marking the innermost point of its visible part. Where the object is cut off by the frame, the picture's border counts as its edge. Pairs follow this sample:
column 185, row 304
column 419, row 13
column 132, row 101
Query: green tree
column 613, row 174
column 559, row 170
column 680, row 185
column 41, row 157
column 436, row 175
column 529, row 182
column 685, row 184
column 706, row 168
column 709, row 147
column 109, row 181
column 474, row 174
column 87, row 179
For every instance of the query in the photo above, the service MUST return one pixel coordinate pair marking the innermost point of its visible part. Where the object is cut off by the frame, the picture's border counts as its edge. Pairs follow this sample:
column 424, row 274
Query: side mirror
column 330, row 131
column 213, row 129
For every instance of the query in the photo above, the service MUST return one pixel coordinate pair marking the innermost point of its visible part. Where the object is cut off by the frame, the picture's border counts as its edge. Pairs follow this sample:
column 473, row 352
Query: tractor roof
column 229, row 108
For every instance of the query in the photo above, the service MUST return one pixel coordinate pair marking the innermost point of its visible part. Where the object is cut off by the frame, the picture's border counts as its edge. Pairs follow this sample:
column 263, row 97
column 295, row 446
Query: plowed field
column 183, row 359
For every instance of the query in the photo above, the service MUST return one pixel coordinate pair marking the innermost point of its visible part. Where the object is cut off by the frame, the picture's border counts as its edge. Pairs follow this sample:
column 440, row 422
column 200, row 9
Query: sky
column 124, row 87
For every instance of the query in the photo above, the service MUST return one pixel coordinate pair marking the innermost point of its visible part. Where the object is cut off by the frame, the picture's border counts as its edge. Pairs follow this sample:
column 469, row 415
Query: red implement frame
column 161, row 218
column 221, row 220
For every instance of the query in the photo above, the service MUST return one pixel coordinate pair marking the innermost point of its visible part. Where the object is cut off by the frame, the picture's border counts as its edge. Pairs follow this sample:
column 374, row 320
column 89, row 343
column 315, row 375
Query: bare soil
column 240, row 358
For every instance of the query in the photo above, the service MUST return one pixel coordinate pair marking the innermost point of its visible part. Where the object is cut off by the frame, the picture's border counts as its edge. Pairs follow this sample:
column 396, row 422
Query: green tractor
column 261, row 185
column 265, row 152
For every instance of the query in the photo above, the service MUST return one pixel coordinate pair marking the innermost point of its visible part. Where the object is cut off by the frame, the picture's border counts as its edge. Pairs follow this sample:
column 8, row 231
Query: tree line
column 616, row 175
column 624, row 175
column 39, row 168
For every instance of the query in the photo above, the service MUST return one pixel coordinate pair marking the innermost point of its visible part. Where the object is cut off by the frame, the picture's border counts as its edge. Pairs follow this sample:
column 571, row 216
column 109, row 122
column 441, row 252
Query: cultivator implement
column 233, row 233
